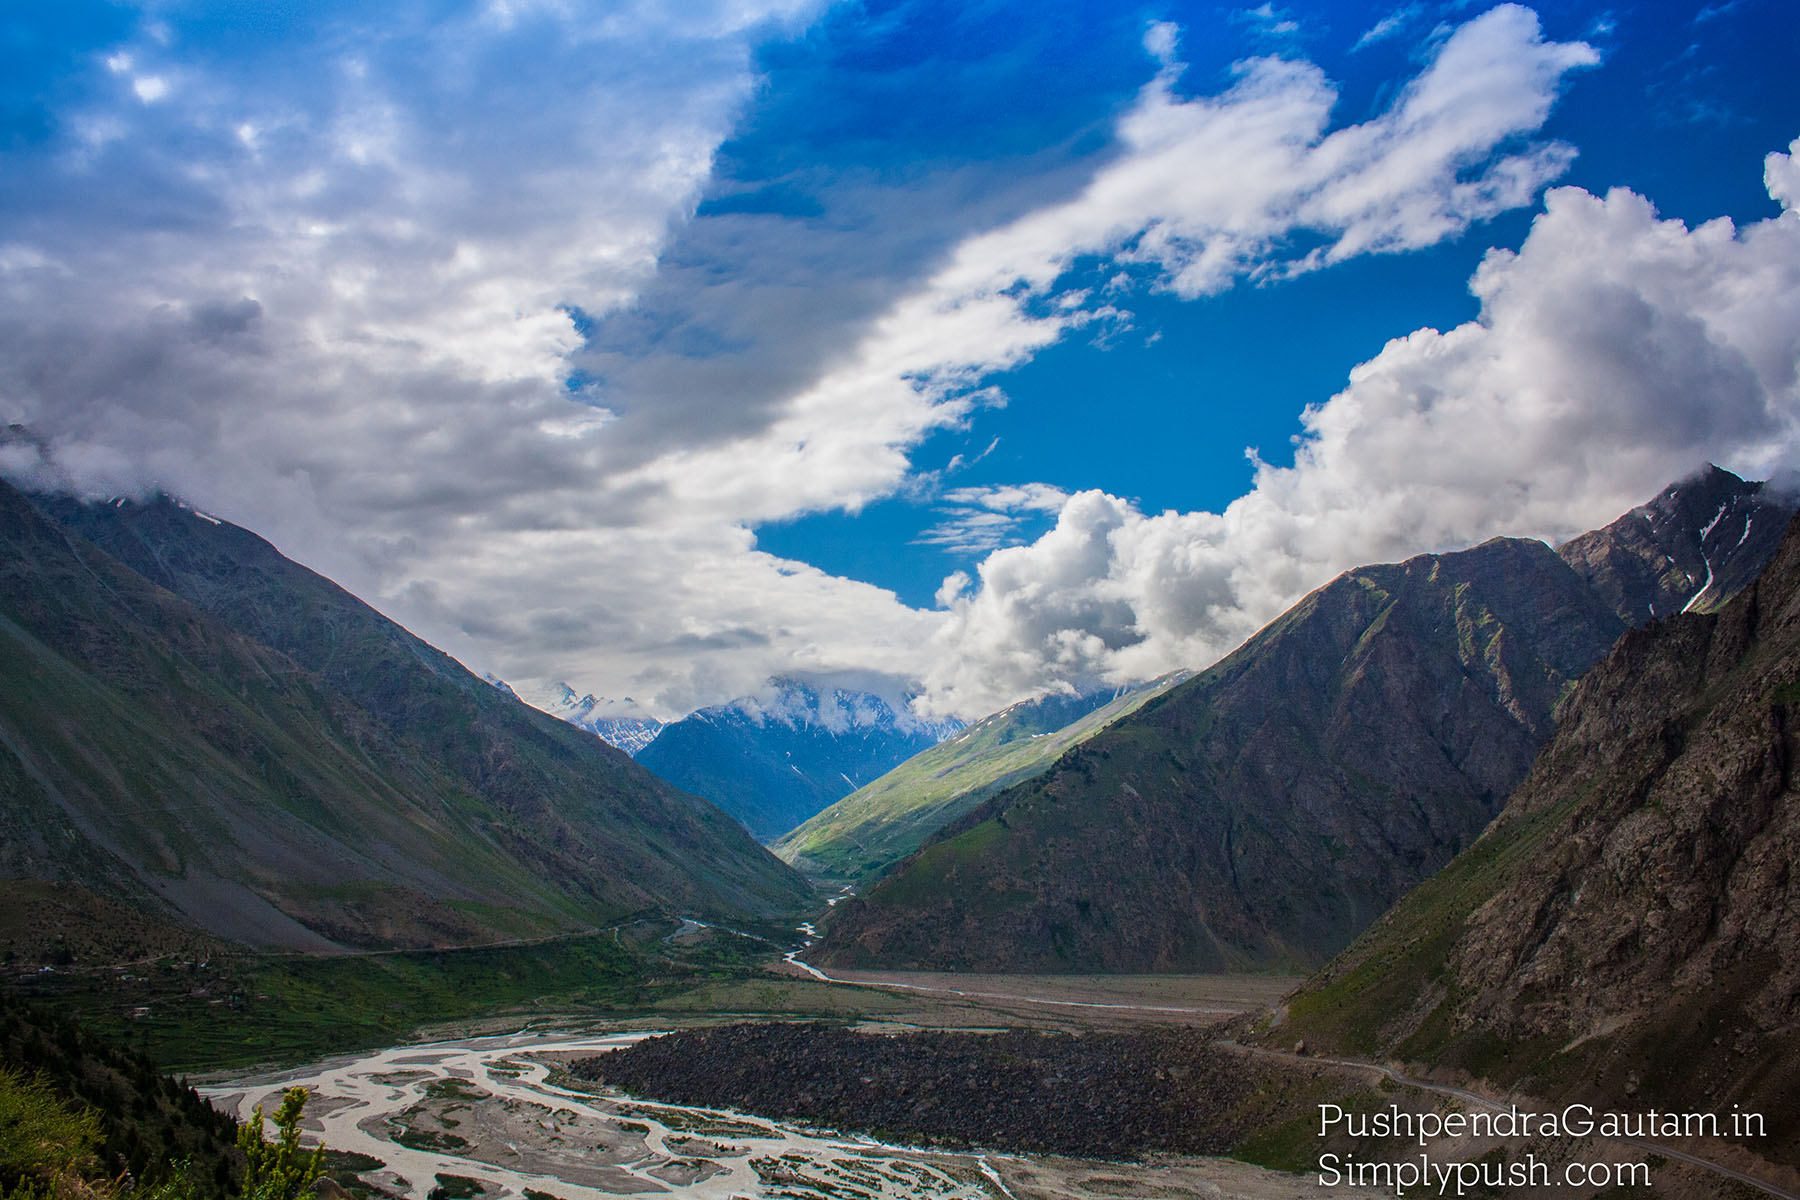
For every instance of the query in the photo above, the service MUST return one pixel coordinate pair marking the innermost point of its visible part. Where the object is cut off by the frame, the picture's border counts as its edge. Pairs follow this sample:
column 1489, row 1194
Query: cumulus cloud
column 1781, row 175
column 1614, row 352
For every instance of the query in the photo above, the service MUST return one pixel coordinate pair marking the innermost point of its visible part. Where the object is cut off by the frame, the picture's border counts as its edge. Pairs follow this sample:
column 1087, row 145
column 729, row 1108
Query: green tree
column 279, row 1170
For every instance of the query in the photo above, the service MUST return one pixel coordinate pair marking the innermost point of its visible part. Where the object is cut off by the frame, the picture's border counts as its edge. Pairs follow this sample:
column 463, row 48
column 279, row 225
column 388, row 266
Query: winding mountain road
column 792, row 958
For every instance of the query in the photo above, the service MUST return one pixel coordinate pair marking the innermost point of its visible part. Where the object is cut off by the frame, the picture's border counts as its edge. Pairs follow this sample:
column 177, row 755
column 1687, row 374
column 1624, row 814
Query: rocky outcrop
column 1690, row 549
column 1630, row 925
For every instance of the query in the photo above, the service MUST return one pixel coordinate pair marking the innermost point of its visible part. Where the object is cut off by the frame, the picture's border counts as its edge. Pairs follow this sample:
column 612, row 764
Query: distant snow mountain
column 620, row 722
column 775, row 759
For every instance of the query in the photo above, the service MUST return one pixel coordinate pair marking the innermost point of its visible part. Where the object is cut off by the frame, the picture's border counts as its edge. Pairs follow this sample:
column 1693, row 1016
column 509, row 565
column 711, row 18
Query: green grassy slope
column 865, row 833
column 154, row 755
column 573, row 808
column 163, row 759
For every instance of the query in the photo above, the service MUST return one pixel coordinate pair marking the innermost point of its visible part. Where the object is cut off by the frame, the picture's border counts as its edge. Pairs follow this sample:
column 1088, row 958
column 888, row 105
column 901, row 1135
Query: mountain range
column 202, row 731
column 1627, row 931
column 1263, row 813
column 222, row 738
column 775, row 759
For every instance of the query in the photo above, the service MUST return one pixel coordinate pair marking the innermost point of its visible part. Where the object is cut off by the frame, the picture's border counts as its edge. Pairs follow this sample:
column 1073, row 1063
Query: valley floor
column 1090, row 1000
column 495, row 1116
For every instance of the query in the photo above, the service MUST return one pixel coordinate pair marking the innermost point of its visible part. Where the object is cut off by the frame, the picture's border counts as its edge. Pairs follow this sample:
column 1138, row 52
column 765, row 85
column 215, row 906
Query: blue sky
column 662, row 349
column 1683, row 112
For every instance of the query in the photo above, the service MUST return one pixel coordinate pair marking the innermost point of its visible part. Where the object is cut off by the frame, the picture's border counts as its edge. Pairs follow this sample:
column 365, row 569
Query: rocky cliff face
column 1690, row 549
column 1630, row 925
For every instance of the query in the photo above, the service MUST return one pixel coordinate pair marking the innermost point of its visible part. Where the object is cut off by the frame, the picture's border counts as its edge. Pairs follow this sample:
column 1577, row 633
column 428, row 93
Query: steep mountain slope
column 1693, row 545
column 371, row 793
column 774, row 761
column 1264, row 812
column 1630, row 925
column 1690, row 549
column 881, row 823
column 154, row 756
column 139, row 1122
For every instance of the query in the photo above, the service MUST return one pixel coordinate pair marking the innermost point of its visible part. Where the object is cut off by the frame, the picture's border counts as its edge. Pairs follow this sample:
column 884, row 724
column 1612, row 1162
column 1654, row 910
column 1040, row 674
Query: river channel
column 488, row 1112
column 493, row 1117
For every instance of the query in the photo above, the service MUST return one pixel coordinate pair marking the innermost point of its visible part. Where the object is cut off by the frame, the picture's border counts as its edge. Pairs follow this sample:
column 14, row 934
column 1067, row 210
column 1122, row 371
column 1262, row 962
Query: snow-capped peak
column 621, row 722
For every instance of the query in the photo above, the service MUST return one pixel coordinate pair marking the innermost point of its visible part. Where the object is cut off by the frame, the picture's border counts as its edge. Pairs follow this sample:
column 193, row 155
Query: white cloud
column 1011, row 497
column 1206, row 190
column 970, row 531
column 1209, row 190
column 1161, row 40
column 1614, row 352
column 1781, row 175
column 1268, row 20
column 338, row 307
column 677, row 613
column 1388, row 26
column 976, row 520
